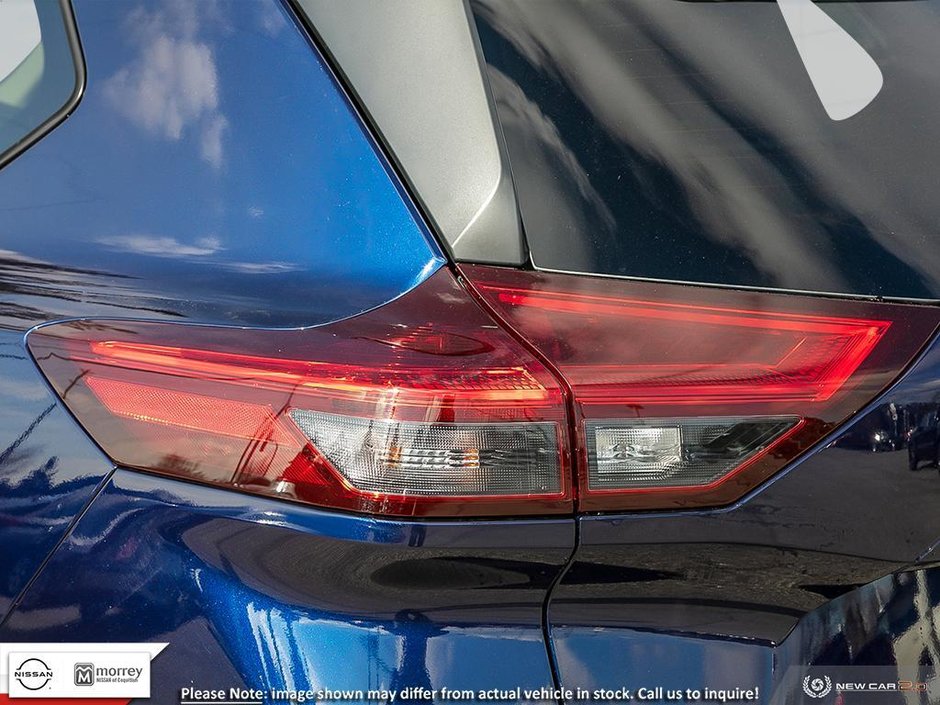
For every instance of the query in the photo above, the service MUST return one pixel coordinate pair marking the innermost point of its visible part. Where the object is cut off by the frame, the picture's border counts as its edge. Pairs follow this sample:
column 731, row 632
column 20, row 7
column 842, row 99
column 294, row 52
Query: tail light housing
column 691, row 396
column 509, row 393
column 423, row 407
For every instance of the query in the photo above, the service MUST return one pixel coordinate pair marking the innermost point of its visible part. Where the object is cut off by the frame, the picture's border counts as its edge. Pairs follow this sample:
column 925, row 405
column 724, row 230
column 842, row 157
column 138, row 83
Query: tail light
column 421, row 407
column 499, row 401
column 689, row 396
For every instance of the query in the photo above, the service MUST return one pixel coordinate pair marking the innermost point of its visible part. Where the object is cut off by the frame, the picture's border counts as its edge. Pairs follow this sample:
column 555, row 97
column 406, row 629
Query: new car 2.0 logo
column 33, row 674
column 817, row 687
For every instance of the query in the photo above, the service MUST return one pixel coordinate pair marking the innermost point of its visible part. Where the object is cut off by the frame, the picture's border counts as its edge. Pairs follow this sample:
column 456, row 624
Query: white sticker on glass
column 19, row 33
column 845, row 77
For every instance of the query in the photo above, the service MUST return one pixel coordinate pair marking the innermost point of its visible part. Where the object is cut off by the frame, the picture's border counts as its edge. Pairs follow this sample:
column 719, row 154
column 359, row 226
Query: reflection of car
column 883, row 430
column 923, row 440
column 383, row 345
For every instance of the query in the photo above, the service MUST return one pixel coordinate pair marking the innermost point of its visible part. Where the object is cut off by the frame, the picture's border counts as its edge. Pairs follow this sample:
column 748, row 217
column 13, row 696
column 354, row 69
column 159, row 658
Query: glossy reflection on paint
column 276, row 595
column 213, row 171
column 48, row 469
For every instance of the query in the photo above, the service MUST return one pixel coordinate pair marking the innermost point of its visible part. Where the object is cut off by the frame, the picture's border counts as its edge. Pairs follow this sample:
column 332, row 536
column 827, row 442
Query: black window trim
column 78, row 61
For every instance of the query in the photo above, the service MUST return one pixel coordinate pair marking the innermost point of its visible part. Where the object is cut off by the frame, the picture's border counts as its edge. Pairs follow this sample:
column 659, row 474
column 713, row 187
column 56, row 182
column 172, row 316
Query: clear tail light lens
column 437, row 459
column 691, row 396
column 663, row 453
column 423, row 407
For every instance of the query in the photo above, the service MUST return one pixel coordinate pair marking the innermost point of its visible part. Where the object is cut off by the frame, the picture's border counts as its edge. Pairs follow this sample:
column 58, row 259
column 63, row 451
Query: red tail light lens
column 422, row 407
column 692, row 396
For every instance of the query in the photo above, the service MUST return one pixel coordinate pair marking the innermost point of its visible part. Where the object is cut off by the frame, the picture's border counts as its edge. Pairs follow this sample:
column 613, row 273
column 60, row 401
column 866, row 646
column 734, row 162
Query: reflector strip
column 195, row 412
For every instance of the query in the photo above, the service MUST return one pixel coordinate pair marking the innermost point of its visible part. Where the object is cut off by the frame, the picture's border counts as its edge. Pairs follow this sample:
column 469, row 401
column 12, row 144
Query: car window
column 39, row 74
column 780, row 144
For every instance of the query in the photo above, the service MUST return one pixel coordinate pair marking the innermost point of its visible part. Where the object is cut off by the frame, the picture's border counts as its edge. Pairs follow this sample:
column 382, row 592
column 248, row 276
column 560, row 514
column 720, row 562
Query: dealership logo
column 84, row 674
column 56, row 671
column 33, row 674
column 817, row 687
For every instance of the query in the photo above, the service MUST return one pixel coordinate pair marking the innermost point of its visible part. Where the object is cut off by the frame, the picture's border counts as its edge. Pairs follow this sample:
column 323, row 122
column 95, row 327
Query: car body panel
column 284, row 596
column 888, row 625
column 49, row 469
column 200, row 181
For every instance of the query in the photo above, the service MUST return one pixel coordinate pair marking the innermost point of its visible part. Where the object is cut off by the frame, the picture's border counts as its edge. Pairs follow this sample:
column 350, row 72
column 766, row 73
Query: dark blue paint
column 285, row 596
column 889, row 624
column 49, row 469
column 213, row 171
column 599, row 659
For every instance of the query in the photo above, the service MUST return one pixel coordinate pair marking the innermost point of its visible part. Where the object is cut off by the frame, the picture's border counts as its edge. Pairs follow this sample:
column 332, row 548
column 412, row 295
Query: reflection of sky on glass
column 213, row 158
column 685, row 140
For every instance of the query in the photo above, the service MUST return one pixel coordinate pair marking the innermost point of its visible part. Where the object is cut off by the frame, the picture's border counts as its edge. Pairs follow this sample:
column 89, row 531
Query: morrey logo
column 817, row 687
column 33, row 674
column 85, row 674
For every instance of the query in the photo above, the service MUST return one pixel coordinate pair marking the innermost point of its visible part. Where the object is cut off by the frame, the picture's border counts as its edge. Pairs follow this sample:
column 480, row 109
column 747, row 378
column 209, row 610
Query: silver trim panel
column 415, row 67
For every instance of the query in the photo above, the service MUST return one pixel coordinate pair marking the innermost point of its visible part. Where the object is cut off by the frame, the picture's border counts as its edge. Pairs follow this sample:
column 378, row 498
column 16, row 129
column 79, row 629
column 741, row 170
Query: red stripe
column 4, row 699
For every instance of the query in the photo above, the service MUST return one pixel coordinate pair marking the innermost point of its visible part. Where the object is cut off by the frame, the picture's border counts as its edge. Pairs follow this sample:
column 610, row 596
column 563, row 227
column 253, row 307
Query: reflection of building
column 34, row 292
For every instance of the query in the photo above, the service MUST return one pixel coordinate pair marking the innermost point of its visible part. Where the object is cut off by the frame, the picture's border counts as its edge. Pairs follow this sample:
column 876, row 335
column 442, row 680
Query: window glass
column 37, row 70
column 785, row 144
